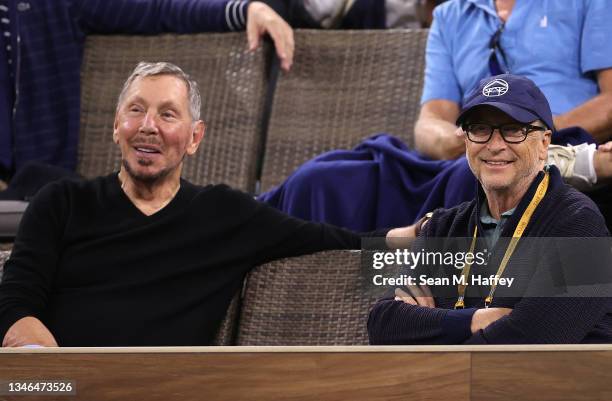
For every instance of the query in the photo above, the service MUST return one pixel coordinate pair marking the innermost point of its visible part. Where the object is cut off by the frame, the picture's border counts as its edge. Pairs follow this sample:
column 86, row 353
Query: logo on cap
column 497, row 87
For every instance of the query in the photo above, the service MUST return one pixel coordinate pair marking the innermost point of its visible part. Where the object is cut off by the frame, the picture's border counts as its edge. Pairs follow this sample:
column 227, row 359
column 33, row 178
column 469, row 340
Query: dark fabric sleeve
column 556, row 320
column 286, row 236
column 545, row 320
column 30, row 271
column 395, row 322
column 158, row 16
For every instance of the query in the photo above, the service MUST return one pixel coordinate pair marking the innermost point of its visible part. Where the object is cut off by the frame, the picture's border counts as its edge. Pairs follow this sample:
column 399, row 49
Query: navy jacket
column 564, row 212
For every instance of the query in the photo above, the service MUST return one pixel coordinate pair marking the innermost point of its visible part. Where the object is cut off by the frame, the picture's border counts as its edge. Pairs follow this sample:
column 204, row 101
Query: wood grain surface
column 542, row 373
column 542, row 376
column 247, row 376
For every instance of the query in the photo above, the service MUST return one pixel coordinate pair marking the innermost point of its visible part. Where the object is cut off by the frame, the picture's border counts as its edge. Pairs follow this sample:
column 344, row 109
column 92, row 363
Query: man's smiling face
column 502, row 166
column 154, row 128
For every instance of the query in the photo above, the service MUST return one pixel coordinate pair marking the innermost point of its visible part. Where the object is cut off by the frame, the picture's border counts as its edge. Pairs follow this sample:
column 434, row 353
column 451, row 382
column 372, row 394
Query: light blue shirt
column 558, row 44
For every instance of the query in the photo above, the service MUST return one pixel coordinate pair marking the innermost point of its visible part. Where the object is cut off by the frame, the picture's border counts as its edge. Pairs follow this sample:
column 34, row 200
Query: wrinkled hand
column 605, row 147
column 401, row 237
column 484, row 317
column 422, row 296
column 453, row 146
column 602, row 162
column 261, row 19
column 28, row 331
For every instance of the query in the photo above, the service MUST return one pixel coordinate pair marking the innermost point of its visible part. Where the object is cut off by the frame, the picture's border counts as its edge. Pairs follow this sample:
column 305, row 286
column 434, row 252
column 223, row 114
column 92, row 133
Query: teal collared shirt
column 492, row 228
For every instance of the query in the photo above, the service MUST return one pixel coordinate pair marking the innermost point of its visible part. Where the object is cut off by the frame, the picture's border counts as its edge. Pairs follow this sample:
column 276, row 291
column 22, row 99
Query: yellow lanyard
column 518, row 233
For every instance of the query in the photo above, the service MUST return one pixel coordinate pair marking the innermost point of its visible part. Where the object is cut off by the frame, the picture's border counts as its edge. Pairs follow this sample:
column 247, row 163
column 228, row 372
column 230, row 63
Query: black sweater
column 564, row 212
column 98, row 272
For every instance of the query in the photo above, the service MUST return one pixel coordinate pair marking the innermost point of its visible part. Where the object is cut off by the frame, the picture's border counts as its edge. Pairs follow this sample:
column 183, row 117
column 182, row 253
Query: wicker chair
column 319, row 299
column 232, row 82
column 227, row 331
column 344, row 86
column 4, row 255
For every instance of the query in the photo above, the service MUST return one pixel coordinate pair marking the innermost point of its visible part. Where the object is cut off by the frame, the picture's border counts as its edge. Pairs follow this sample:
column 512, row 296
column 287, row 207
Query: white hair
column 145, row 69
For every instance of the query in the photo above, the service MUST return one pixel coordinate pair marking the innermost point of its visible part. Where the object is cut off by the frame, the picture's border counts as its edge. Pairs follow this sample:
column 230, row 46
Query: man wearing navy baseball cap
column 515, row 95
column 507, row 125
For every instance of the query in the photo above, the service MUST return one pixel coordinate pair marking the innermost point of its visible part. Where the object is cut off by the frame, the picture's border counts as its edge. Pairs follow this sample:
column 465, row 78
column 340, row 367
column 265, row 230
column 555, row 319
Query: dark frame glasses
column 507, row 131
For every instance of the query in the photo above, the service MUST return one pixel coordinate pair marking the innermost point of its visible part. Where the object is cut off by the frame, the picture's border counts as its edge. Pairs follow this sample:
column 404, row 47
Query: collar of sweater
column 555, row 183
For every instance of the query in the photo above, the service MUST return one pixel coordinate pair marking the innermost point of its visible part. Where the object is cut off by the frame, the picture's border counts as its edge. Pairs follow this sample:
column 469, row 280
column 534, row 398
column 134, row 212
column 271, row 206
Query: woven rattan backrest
column 4, row 255
column 227, row 330
column 318, row 299
column 344, row 86
column 232, row 83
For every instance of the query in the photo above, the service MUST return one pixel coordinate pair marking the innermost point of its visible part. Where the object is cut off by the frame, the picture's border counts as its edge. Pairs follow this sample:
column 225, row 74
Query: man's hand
column 261, row 19
column 422, row 296
column 602, row 162
column 401, row 237
column 435, row 132
column 28, row 331
column 484, row 317
column 606, row 147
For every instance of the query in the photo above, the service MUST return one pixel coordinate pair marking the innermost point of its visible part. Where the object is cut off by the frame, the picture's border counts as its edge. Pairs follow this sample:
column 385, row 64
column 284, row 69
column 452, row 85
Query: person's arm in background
column 434, row 131
column 188, row 16
column 595, row 55
column 261, row 20
column 595, row 115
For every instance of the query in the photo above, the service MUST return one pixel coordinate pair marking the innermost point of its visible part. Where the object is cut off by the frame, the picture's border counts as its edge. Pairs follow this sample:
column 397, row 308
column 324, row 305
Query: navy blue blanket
column 380, row 184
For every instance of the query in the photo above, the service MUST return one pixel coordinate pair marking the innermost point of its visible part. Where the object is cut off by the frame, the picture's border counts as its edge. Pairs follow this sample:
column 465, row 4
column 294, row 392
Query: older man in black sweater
column 141, row 257
column 507, row 124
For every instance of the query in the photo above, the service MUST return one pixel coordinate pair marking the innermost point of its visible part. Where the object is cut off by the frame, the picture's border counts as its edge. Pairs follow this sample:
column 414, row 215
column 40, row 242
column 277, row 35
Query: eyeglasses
column 494, row 47
column 511, row 133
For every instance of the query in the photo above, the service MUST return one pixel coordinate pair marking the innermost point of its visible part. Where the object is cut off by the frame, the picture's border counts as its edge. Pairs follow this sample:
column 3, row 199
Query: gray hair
column 145, row 69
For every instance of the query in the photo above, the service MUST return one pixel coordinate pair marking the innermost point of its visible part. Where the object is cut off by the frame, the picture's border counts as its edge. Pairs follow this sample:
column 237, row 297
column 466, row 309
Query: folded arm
column 394, row 321
column 404, row 320
column 545, row 320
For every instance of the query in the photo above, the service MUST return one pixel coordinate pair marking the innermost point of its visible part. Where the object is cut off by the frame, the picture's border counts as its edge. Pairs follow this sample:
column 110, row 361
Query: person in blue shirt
column 560, row 46
column 564, row 48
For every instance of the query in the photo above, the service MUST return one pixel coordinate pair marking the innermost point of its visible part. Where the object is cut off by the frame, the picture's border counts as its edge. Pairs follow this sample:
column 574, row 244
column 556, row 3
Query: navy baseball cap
column 517, row 96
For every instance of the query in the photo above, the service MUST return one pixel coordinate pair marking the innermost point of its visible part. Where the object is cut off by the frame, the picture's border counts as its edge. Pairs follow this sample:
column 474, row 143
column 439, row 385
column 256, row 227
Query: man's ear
column 462, row 134
column 546, row 138
column 197, row 134
column 115, row 130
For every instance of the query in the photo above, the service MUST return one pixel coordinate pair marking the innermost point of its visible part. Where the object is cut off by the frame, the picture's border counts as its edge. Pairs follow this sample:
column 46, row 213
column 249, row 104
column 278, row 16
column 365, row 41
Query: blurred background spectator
column 41, row 46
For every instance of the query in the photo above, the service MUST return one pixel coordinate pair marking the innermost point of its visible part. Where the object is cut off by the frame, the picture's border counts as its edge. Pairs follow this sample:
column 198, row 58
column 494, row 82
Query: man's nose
column 496, row 143
column 149, row 124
